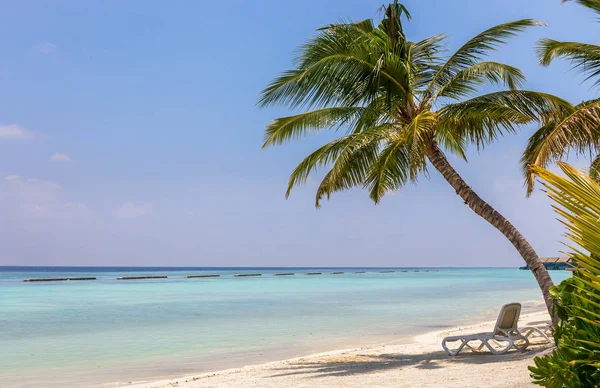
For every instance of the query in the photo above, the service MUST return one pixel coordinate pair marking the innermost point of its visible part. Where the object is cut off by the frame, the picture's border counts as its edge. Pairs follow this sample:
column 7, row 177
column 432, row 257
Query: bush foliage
column 576, row 361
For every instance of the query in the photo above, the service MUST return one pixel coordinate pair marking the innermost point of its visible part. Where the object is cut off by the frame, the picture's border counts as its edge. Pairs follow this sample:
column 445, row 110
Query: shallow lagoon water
column 84, row 333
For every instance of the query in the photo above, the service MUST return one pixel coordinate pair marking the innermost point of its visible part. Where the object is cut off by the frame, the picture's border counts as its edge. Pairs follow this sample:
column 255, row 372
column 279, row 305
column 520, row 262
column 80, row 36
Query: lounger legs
column 520, row 337
column 482, row 342
column 485, row 342
column 529, row 330
column 454, row 352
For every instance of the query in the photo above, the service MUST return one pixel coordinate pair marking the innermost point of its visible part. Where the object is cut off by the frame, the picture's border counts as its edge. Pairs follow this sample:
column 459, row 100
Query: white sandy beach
column 420, row 363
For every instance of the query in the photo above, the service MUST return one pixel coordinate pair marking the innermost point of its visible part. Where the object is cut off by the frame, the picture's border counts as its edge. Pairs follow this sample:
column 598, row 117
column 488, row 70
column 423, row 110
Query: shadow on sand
column 348, row 365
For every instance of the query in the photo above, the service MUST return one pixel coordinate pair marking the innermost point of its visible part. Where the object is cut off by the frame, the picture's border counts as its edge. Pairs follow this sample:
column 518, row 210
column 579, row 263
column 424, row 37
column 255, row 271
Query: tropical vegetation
column 404, row 105
column 579, row 129
column 576, row 361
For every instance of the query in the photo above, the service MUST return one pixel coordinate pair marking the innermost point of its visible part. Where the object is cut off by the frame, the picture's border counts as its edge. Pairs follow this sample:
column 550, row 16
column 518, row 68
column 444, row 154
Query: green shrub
column 576, row 361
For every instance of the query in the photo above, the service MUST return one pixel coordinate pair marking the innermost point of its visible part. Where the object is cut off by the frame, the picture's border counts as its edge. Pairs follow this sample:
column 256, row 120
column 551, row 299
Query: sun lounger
column 505, row 334
column 538, row 328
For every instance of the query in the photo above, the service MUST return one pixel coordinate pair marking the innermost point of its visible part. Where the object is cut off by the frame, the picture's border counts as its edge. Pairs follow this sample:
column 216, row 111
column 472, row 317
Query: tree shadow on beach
column 348, row 365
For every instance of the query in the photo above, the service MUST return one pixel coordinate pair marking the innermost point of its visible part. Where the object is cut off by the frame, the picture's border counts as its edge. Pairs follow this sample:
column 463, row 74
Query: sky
column 130, row 135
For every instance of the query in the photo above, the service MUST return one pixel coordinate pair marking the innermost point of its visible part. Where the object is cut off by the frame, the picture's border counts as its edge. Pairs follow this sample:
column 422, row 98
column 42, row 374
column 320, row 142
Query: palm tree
column 402, row 104
column 579, row 129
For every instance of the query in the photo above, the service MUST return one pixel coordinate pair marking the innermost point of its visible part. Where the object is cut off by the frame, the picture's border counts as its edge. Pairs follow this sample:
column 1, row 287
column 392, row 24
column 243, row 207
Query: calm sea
column 108, row 331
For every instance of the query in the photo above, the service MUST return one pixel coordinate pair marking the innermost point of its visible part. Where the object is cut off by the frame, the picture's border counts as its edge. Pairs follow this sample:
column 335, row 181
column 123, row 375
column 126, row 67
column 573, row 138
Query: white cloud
column 34, row 198
column 56, row 157
column 132, row 210
column 15, row 132
column 41, row 225
column 45, row 48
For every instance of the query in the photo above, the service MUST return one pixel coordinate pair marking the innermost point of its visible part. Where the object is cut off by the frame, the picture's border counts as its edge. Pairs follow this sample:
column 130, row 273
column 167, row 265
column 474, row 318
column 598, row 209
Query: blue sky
column 129, row 135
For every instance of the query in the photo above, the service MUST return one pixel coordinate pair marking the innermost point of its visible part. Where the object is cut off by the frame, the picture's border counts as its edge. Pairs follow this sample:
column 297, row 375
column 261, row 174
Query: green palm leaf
column 595, row 168
column 402, row 157
column 467, row 80
column 477, row 47
column 575, row 362
column 426, row 58
column 349, row 170
column 323, row 157
column 584, row 57
column 577, row 130
column 594, row 5
column 284, row 129
column 481, row 120
column 389, row 172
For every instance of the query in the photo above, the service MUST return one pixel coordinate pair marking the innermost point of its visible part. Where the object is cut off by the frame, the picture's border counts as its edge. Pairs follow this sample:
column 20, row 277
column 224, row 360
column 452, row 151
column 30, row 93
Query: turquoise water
column 106, row 331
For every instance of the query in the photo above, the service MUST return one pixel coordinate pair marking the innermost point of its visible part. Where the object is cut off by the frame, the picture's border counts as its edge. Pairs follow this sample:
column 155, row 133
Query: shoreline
column 416, row 362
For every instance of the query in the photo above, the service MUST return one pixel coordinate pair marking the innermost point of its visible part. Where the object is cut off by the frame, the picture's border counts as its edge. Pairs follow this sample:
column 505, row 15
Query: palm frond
column 293, row 127
column 595, row 168
column 417, row 137
column 594, row 5
column 575, row 362
column 402, row 157
column 389, row 172
column 337, row 80
column 426, row 58
column 353, row 118
column 342, row 66
column 577, row 130
column 392, row 22
column 321, row 157
column 354, row 161
column 349, row 170
column 584, row 57
column 349, row 158
column 475, row 49
column 451, row 141
column 366, row 26
column 429, row 50
column 482, row 119
column 467, row 80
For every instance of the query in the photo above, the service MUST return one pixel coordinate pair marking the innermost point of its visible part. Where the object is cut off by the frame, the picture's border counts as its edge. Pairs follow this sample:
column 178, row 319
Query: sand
column 420, row 363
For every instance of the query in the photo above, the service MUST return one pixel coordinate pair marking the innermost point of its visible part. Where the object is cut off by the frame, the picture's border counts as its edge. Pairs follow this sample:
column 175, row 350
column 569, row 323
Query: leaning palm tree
column 579, row 129
column 403, row 104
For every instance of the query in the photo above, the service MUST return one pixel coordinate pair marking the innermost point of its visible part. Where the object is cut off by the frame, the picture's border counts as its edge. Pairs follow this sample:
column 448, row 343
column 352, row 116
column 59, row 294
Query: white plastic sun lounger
column 505, row 332
column 537, row 329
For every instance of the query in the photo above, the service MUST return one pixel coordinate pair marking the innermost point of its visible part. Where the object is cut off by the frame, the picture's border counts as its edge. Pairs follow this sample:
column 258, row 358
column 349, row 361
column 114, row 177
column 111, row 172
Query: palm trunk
column 488, row 213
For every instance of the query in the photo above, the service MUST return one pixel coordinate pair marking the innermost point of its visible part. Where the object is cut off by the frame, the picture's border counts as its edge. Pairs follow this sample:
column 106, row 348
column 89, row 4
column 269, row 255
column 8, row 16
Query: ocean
column 108, row 332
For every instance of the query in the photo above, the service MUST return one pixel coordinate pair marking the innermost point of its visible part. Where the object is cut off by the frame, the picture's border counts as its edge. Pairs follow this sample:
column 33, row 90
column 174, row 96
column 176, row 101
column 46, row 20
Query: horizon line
column 236, row 267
